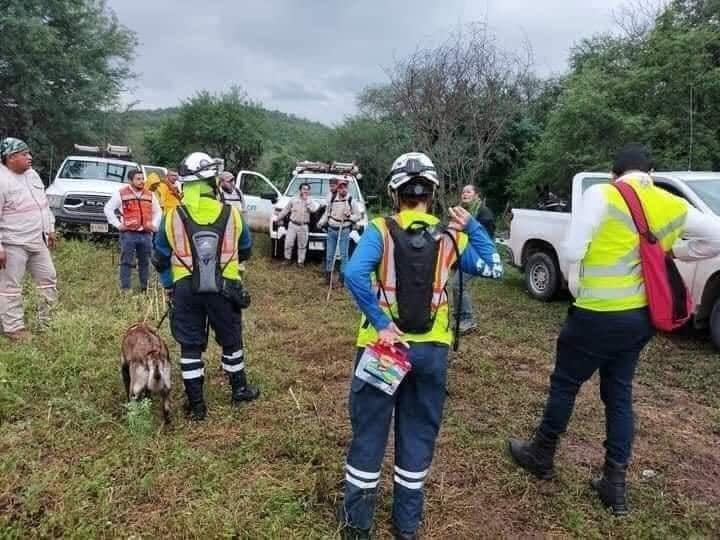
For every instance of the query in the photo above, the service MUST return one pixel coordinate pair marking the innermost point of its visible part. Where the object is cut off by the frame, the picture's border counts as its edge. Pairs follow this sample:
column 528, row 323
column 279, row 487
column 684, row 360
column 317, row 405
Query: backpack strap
column 456, row 337
column 630, row 196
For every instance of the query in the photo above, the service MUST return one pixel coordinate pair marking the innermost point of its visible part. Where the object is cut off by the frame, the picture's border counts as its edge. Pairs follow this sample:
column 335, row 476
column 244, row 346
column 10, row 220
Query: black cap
column 632, row 157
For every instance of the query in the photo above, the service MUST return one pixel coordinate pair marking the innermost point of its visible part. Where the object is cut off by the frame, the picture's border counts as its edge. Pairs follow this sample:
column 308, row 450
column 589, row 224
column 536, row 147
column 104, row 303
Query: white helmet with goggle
column 415, row 173
column 199, row 166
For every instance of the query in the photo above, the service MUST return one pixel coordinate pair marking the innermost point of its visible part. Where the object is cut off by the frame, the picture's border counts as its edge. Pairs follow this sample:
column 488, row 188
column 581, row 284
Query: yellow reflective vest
column 441, row 332
column 207, row 212
column 610, row 273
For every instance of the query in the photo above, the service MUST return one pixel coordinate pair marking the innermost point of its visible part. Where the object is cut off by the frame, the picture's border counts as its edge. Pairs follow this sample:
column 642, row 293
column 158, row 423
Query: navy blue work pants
column 610, row 343
column 135, row 245
column 417, row 406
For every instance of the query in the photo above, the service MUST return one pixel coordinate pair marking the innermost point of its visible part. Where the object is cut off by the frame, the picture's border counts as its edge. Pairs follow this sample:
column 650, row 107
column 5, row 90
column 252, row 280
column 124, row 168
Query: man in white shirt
column 27, row 233
column 136, row 213
column 609, row 324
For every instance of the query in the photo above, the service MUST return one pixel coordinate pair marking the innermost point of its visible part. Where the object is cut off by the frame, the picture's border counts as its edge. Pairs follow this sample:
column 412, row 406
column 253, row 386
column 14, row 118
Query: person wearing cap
column 228, row 192
column 27, row 234
column 300, row 208
column 136, row 213
column 404, row 302
column 341, row 214
column 608, row 325
column 168, row 192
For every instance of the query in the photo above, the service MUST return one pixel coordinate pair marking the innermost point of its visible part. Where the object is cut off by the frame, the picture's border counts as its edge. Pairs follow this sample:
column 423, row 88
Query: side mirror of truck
column 270, row 196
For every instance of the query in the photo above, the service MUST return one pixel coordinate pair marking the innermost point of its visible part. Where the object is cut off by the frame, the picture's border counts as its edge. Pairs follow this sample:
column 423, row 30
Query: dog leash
column 162, row 319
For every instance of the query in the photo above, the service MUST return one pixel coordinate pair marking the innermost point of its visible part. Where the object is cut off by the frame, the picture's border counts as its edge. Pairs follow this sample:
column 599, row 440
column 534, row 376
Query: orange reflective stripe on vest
column 182, row 254
column 386, row 277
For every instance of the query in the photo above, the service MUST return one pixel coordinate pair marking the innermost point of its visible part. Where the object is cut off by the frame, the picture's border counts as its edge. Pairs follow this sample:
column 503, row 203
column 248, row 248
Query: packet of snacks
column 383, row 366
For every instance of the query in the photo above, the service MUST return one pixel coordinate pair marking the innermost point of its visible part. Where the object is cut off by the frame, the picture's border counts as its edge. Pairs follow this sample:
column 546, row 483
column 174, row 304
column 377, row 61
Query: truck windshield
column 94, row 170
column 708, row 191
column 319, row 187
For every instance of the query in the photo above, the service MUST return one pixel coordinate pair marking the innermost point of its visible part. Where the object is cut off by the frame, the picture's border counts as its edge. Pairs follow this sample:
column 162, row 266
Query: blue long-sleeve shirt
column 479, row 258
column 164, row 251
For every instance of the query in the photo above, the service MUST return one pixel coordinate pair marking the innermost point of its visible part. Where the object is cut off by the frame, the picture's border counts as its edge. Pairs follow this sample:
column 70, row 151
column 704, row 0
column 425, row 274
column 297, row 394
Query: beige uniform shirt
column 341, row 211
column 25, row 215
column 299, row 210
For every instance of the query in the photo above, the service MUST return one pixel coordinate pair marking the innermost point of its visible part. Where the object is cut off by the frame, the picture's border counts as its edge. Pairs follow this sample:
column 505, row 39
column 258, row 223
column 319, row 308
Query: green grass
column 76, row 462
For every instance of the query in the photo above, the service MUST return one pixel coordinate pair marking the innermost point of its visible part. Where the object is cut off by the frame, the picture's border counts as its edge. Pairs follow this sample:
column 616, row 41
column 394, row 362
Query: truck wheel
column 542, row 276
column 715, row 324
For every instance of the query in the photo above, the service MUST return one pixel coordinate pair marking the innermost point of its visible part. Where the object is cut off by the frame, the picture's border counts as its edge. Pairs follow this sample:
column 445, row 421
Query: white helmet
column 412, row 166
column 199, row 166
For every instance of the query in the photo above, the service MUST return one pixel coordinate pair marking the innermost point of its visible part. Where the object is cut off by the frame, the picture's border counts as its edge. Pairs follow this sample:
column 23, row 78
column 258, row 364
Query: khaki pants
column 301, row 233
column 38, row 262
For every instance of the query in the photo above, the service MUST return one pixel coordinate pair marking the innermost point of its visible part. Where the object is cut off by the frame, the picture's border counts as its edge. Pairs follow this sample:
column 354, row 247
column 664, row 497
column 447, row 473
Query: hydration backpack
column 205, row 246
column 669, row 300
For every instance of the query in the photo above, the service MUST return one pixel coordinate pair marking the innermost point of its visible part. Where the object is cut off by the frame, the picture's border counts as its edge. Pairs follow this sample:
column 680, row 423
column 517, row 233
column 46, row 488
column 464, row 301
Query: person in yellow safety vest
column 609, row 325
column 398, row 276
column 198, row 252
column 168, row 192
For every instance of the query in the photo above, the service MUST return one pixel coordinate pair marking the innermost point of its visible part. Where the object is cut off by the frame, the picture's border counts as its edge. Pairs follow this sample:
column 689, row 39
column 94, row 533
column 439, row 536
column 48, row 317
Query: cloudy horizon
column 312, row 60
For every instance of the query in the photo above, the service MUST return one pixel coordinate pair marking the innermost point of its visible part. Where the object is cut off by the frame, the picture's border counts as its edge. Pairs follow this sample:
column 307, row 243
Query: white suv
column 262, row 198
column 84, row 183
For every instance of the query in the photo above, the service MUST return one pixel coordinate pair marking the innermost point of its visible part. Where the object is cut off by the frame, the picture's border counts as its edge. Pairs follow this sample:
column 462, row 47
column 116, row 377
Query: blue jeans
column 417, row 406
column 465, row 302
column 332, row 243
column 607, row 342
column 134, row 244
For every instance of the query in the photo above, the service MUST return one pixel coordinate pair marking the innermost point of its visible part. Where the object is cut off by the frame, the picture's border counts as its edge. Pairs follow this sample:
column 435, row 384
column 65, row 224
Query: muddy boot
column 399, row 535
column 19, row 336
column 347, row 531
column 610, row 487
column 536, row 456
column 195, row 405
column 241, row 390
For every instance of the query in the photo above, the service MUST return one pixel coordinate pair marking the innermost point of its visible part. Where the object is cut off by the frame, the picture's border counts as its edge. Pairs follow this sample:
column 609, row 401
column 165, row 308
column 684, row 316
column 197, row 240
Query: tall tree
column 658, row 85
column 229, row 126
column 457, row 99
column 62, row 64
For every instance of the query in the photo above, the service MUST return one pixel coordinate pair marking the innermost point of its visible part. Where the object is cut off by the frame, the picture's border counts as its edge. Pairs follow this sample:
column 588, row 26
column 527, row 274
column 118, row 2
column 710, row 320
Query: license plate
column 98, row 227
column 317, row 245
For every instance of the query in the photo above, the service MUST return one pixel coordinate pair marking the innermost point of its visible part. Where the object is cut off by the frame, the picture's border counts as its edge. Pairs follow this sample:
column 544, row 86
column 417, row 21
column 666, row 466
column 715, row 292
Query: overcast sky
column 312, row 57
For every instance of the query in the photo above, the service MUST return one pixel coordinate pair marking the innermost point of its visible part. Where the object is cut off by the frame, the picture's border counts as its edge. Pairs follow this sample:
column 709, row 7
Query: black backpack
column 416, row 256
column 206, row 247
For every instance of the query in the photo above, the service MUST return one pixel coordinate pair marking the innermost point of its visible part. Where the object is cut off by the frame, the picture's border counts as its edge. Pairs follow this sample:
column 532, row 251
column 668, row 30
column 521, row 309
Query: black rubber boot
column 241, row 390
column 195, row 405
column 347, row 531
column 399, row 535
column 611, row 487
column 536, row 456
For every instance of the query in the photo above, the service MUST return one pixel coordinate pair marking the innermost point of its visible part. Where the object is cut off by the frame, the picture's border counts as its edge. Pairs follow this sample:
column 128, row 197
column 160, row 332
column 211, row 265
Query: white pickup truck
column 263, row 201
column 537, row 241
column 86, row 181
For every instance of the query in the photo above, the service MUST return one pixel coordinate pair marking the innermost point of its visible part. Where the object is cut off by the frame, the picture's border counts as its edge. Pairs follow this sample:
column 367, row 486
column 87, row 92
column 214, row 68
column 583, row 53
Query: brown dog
column 146, row 365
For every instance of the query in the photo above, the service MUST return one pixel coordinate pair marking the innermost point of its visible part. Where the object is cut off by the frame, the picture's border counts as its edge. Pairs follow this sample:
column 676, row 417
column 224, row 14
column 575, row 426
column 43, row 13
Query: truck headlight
column 55, row 201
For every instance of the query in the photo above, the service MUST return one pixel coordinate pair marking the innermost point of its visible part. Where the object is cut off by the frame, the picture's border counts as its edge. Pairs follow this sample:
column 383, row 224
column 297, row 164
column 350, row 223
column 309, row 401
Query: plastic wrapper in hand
column 383, row 367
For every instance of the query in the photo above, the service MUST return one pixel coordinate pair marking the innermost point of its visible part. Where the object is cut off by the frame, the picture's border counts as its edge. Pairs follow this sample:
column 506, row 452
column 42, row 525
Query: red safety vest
column 136, row 209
